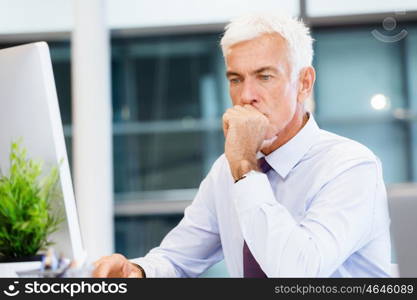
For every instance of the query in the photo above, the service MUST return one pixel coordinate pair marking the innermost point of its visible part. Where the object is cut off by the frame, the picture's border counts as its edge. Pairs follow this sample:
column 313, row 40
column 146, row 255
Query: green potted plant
column 29, row 212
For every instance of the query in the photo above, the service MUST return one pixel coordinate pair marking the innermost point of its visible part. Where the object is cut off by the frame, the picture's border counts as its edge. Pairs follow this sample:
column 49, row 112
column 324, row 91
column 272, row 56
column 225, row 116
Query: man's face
column 259, row 74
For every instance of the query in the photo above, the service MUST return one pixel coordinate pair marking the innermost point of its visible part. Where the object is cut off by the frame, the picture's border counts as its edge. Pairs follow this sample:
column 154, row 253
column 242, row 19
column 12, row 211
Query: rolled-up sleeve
column 335, row 224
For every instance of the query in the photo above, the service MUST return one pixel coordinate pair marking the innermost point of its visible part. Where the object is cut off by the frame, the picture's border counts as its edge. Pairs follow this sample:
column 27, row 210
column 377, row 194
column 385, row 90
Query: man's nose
column 248, row 93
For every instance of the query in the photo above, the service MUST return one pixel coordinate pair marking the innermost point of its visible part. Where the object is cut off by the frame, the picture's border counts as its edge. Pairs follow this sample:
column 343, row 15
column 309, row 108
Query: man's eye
column 234, row 80
column 265, row 77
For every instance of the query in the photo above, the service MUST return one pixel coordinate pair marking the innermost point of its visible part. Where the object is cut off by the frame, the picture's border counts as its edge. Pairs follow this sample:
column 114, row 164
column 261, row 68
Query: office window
column 168, row 98
column 360, row 93
column 135, row 236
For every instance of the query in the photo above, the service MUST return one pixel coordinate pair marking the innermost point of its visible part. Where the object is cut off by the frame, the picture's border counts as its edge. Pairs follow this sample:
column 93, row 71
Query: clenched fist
column 245, row 130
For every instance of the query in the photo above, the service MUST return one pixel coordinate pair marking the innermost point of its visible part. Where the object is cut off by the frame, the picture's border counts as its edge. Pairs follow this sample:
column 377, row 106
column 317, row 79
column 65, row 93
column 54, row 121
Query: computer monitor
column 403, row 209
column 29, row 110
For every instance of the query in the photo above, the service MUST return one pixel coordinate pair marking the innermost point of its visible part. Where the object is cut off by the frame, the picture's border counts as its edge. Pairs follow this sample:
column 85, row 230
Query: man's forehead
column 255, row 64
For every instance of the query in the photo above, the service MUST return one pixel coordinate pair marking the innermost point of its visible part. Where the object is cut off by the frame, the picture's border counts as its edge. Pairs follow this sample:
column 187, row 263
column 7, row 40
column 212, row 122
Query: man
column 286, row 198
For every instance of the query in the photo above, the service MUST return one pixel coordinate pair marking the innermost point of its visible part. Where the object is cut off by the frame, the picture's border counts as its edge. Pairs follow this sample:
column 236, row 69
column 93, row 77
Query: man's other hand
column 116, row 266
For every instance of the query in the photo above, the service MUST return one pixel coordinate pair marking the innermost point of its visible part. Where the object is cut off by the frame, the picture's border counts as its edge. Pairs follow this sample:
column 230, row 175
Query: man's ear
column 306, row 83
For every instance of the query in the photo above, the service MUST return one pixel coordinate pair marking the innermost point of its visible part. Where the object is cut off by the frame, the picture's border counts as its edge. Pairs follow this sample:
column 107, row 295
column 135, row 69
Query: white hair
column 297, row 35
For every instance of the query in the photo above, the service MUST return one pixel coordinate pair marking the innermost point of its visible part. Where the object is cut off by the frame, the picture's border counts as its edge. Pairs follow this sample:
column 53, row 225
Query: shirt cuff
column 252, row 192
column 149, row 271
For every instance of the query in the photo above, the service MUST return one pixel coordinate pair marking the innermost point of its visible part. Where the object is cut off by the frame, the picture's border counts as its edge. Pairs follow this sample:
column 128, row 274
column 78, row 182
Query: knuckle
column 117, row 256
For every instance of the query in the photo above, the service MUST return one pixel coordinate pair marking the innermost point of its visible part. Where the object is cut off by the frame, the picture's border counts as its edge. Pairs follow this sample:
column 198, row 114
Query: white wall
column 30, row 16
column 134, row 13
column 26, row 16
column 321, row 8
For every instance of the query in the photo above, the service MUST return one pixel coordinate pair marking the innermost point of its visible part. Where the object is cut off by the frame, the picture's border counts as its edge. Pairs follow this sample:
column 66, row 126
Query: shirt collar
column 283, row 159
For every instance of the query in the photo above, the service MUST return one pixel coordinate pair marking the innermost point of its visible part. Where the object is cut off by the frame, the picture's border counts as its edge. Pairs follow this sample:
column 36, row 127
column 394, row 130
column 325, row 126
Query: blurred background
column 168, row 92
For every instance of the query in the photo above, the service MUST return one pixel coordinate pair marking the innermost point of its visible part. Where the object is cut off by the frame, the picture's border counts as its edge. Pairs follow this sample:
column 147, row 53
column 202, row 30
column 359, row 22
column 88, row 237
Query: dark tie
column 251, row 268
column 263, row 165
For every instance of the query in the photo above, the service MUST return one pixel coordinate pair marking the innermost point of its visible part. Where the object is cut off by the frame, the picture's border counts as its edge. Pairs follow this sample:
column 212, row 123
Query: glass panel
column 164, row 80
column 167, row 102
column 353, row 68
column 61, row 64
column 171, row 85
column 135, row 236
column 162, row 161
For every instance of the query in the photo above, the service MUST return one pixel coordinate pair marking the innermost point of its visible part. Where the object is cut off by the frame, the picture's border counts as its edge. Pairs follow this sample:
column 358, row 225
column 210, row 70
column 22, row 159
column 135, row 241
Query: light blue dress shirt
column 321, row 212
